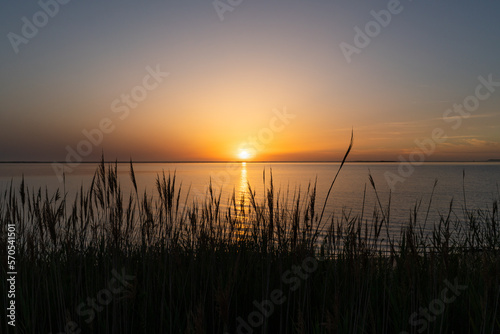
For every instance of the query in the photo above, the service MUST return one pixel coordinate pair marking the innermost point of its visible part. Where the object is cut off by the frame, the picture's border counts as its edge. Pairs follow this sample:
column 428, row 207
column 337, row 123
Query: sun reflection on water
column 242, row 201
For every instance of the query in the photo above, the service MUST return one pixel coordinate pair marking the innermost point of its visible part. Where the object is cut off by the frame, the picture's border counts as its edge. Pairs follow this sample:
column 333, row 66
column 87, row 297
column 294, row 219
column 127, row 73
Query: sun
column 244, row 154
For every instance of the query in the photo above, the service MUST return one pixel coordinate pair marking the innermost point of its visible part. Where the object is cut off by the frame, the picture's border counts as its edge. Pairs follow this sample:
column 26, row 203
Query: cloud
column 469, row 141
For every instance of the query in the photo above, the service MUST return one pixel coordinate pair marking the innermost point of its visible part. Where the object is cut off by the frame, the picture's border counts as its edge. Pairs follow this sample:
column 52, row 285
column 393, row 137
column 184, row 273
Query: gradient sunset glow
column 104, row 65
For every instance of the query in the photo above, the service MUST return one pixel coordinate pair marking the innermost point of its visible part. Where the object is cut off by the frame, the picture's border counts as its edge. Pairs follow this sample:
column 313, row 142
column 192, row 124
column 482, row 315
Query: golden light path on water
column 241, row 200
column 243, row 179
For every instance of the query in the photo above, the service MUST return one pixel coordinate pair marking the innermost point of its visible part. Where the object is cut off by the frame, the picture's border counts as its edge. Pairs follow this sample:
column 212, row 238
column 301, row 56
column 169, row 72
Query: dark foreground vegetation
column 110, row 263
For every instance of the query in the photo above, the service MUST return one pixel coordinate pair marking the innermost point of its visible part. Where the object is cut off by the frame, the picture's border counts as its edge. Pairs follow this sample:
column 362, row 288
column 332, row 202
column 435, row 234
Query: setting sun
column 244, row 154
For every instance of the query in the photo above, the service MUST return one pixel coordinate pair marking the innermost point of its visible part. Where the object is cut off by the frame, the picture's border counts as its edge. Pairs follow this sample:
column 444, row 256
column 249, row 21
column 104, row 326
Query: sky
column 262, row 80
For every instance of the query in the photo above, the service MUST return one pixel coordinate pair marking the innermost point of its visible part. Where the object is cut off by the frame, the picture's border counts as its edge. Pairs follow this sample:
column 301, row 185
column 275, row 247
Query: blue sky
column 226, row 78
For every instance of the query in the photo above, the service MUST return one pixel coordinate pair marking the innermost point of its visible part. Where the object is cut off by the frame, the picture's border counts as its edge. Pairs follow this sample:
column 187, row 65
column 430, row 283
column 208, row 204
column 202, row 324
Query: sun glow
column 244, row 154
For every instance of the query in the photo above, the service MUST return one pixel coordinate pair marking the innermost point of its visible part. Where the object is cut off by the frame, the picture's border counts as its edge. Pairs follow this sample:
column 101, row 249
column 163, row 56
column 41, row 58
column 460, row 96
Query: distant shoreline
column 250, row 162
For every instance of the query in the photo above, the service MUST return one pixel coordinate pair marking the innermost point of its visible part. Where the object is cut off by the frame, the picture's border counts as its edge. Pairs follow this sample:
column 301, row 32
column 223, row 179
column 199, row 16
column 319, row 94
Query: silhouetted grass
column 198, row 267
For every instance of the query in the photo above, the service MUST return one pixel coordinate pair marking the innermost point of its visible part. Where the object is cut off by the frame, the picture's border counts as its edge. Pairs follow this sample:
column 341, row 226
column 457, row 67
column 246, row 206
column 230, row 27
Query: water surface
column 481, row 183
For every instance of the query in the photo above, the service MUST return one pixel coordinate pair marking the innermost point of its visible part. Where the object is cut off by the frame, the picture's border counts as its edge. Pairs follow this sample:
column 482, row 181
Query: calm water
column 481, row 183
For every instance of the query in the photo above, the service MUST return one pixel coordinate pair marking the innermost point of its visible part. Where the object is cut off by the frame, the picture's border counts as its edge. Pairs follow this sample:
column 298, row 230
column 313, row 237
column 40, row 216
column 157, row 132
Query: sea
column 434, row 189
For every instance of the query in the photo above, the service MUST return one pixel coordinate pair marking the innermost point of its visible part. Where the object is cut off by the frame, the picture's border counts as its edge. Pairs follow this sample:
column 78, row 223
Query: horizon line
column 231, row 161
